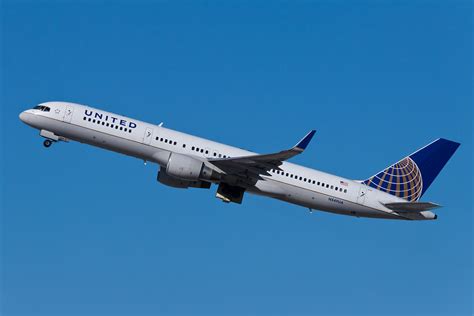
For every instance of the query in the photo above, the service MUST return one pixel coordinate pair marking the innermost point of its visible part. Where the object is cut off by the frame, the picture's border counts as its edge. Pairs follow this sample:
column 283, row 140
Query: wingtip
column 302, row 144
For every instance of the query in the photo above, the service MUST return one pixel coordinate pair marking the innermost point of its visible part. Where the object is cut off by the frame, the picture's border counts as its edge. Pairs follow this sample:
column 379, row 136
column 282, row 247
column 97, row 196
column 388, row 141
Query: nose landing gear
column 47, row 143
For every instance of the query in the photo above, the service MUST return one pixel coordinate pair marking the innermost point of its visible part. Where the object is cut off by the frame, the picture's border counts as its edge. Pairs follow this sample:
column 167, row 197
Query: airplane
column 187, row 161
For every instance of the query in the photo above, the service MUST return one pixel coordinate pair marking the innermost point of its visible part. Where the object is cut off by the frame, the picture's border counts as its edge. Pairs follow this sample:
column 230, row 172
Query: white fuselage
column 293, row 183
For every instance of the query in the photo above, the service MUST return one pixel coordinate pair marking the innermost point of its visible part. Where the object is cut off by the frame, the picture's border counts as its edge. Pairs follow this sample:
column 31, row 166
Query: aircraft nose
column 23, row 116
column 26, row 117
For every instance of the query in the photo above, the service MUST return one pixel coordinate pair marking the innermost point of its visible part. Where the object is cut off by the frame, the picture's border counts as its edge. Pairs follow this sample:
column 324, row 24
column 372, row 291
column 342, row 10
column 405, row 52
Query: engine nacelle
column 188, row 168
column 168, row 180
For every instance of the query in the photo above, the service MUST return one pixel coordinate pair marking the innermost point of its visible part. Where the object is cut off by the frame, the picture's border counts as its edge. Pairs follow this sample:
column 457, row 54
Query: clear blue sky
column 90, row 232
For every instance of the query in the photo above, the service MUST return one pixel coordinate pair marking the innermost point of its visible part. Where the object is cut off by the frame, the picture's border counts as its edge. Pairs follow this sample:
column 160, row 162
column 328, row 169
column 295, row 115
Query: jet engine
column 188, row 168
column 168, row 180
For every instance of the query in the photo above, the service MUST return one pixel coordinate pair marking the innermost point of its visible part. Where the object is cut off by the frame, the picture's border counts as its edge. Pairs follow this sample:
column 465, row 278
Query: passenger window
column 93, row 121
column 116, row 126
column 84, row 118
column 121, row 128
column 184, row 145
column 207, row 152
column 345, row 190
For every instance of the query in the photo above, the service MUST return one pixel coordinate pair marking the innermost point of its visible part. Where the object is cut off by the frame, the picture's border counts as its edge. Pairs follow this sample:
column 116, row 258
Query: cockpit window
column 42, row 108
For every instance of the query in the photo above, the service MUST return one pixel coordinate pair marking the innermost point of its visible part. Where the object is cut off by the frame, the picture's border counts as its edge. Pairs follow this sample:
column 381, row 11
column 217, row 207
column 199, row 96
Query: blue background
column 91, row 232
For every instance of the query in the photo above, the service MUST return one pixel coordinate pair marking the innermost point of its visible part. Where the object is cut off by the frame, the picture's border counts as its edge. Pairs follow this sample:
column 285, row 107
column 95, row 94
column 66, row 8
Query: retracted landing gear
column 47, row 143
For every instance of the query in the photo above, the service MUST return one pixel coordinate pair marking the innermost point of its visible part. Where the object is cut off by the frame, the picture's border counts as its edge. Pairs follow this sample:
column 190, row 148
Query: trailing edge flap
column 411, row 207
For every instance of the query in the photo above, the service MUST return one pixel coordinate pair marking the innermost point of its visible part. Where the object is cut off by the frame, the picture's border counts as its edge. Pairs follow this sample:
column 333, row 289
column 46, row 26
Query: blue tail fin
column 412, row 176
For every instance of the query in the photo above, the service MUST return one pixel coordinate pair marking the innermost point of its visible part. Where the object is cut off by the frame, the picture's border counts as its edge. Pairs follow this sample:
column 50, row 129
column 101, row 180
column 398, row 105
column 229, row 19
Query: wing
column 261, row 164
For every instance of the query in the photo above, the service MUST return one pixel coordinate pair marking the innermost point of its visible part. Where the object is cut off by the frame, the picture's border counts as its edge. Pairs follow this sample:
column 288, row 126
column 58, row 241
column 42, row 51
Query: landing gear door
column 68, row 114
column 362, row 194
column 148, row 136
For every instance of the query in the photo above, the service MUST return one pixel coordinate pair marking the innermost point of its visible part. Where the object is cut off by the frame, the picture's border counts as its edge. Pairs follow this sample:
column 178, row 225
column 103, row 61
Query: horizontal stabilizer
column 409, row 207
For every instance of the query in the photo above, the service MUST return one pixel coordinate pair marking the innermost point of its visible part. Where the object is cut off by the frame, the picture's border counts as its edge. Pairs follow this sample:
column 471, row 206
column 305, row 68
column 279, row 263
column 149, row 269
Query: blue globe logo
column 402, row 179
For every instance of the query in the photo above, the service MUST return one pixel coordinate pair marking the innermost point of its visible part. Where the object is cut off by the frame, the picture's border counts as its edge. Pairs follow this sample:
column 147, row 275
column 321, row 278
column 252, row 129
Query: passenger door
column 362, row 194
column 68, row 114
column 148, row 136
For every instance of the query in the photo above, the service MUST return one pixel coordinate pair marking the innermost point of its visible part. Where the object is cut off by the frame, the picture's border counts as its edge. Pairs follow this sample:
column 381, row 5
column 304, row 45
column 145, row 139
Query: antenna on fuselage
column 161, row 124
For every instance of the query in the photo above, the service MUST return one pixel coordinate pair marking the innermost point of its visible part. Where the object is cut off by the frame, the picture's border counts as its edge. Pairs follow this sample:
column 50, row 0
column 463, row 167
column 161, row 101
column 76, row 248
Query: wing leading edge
column 260, row 164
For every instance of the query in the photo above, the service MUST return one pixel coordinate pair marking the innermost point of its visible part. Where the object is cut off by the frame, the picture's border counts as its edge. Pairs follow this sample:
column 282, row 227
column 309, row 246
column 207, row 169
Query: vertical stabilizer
column 410, row 177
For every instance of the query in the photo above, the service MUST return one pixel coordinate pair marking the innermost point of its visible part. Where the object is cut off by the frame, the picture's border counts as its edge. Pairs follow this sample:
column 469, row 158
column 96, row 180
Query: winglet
column 302, row 144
